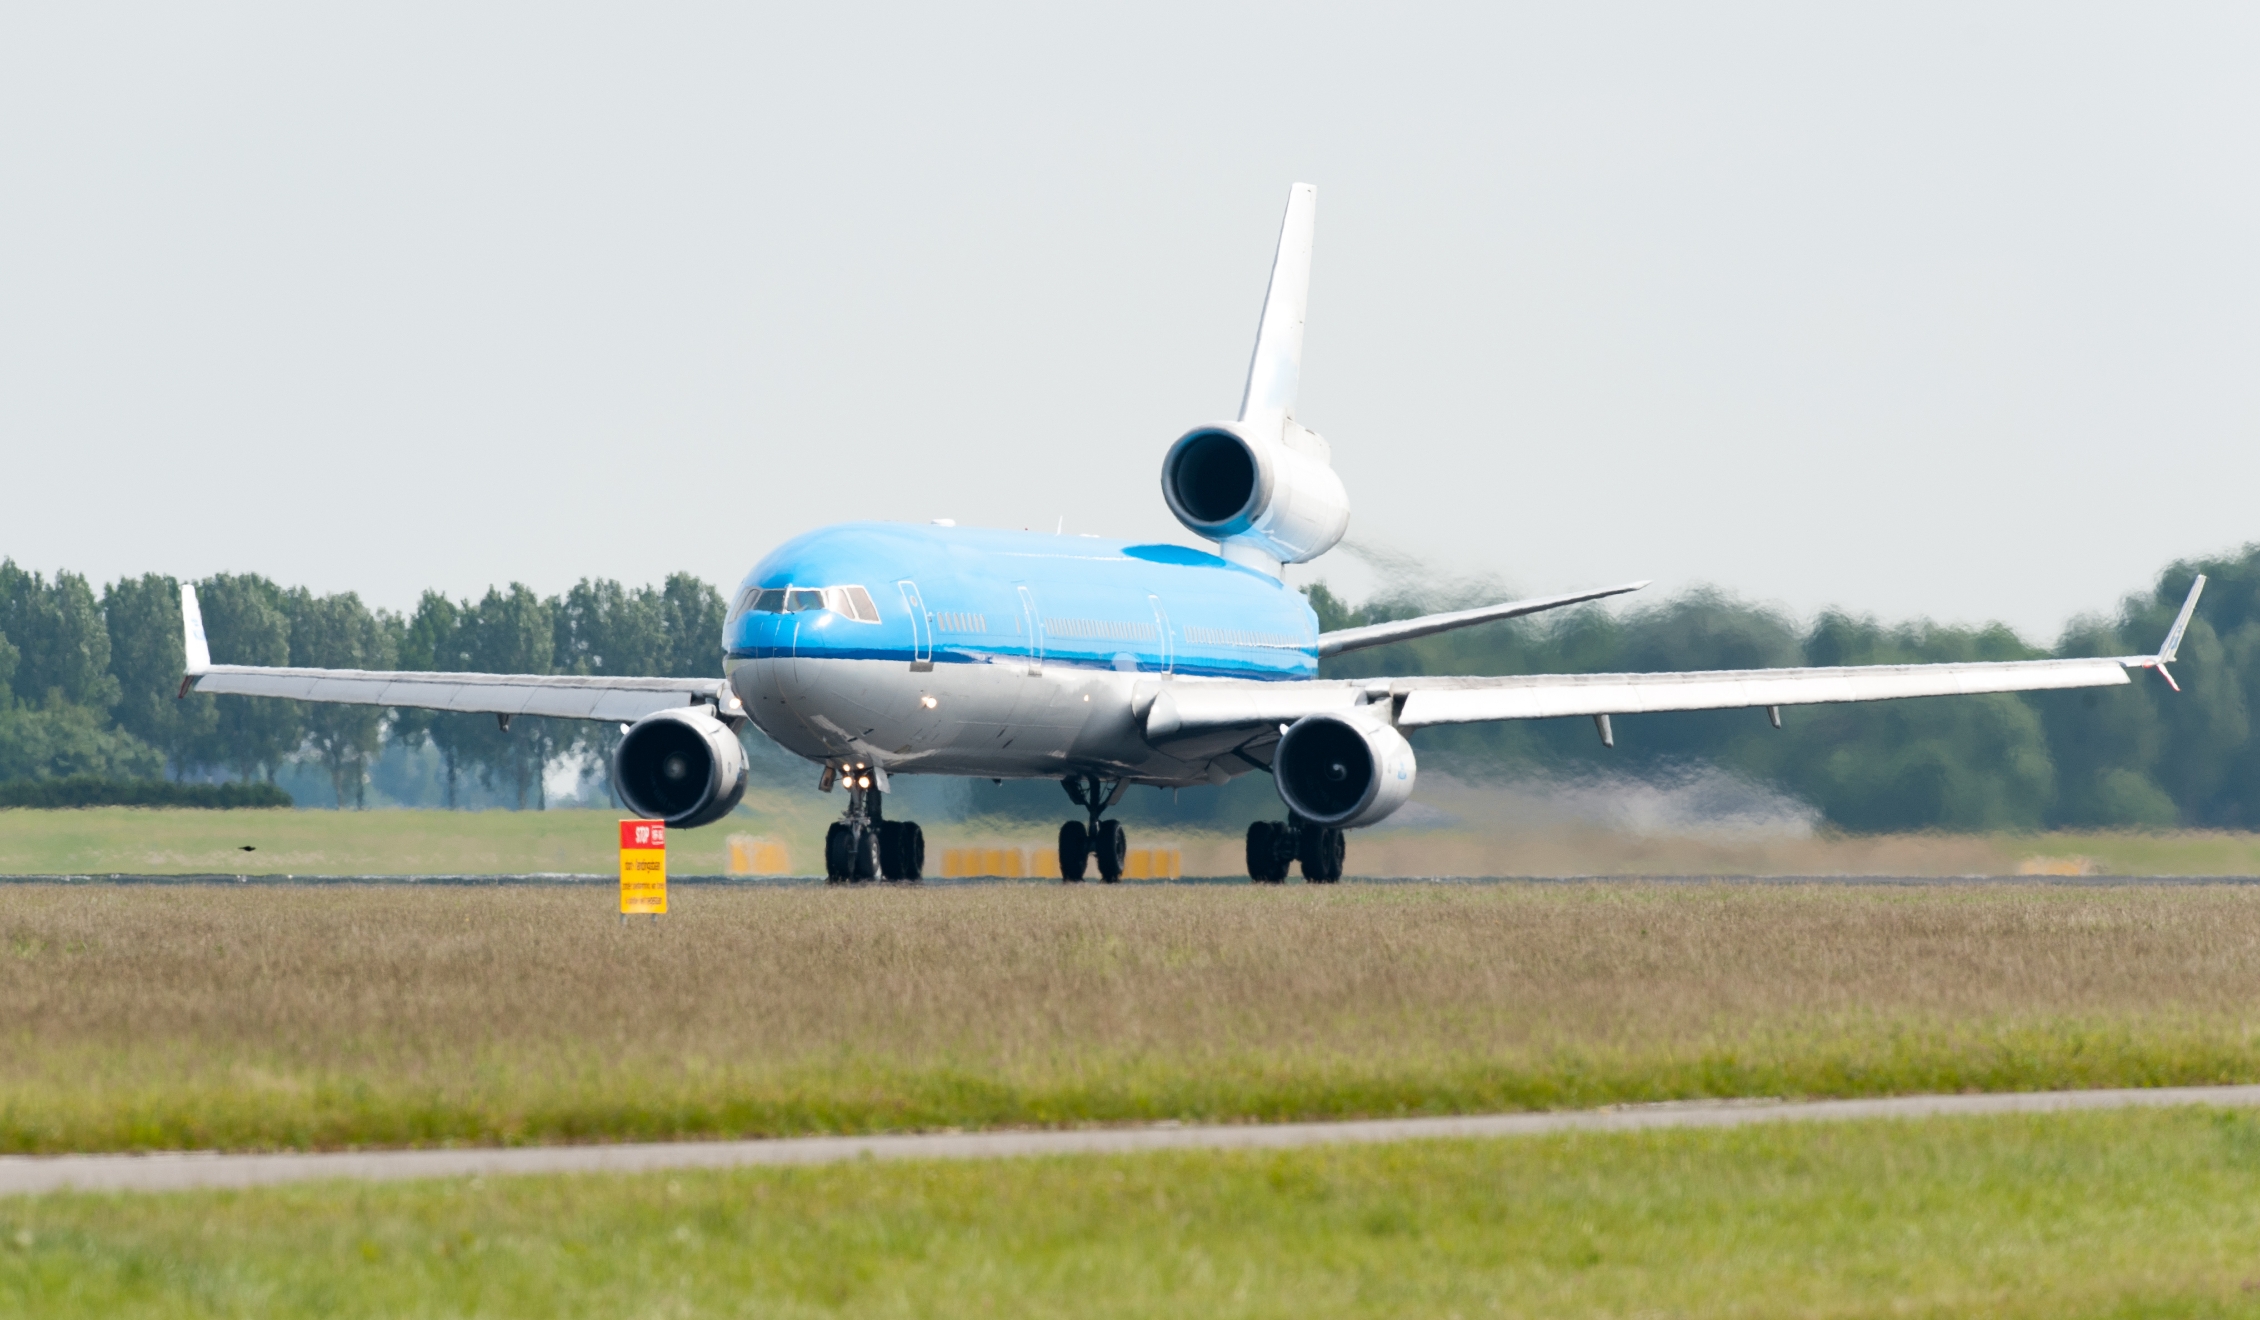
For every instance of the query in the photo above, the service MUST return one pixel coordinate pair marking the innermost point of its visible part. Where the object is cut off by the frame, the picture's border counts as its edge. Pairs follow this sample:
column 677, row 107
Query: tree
column 245, row 623
column 57, row 627
column 431, row 640
column 9, row 658
column 339, row 632
column 511, row 633
column 603, row 628
column 59, row 739
column 143, row 618
column 691, row 614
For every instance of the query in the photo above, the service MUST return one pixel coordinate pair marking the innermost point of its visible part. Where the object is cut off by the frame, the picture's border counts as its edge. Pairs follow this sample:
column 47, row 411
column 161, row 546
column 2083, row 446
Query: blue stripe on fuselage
column 1094, row 601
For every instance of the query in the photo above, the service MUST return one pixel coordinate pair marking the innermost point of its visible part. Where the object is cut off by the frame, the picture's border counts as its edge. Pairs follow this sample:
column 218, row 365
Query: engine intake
column 680, row 765
column 1343, row 770
column 1277, row 497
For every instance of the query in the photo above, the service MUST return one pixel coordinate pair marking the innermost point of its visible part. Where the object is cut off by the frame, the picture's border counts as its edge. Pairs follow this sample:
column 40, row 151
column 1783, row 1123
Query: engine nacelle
column 1280, row 498
column 1343, row 770
column 680, row 765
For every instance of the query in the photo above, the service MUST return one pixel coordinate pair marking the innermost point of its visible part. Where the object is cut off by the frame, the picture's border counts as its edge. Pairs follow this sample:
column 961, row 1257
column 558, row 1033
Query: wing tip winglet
column 2170, row 649
column 194, row 648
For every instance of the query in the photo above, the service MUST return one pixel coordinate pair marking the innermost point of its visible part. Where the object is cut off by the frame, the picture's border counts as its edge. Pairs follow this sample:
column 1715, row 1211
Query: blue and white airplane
column 883, row 649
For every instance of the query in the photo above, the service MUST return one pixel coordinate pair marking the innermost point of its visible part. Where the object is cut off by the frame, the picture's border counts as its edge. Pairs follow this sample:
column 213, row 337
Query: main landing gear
column 1273, row 845
column 1101, row 841
column 864, row 845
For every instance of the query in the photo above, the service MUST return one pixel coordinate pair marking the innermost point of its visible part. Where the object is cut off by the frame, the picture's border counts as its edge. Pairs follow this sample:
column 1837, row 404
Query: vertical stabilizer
column 1277, row 367
column 1263, row 487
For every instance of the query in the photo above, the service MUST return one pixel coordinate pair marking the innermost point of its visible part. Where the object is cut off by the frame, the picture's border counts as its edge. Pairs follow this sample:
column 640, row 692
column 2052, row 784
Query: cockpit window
column 848, row 602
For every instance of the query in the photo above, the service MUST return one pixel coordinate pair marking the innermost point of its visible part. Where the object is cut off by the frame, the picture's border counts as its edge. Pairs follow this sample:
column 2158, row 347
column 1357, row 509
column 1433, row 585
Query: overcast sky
column 1944, row 310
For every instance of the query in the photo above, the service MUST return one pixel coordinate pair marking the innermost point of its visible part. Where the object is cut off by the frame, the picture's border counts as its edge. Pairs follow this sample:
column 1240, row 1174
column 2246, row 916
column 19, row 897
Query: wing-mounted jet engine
column 681, row 765
column 1263, row 487
column 1341, row 771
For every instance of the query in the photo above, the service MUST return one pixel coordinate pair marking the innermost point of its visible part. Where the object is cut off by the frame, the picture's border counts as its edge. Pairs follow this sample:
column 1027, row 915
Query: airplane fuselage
column 972, row 651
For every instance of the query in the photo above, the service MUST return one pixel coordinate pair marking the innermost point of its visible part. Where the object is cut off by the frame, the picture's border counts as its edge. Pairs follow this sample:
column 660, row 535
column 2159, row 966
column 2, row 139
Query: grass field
column 248, row 1017
column 107, row 840
column 2122, row 1214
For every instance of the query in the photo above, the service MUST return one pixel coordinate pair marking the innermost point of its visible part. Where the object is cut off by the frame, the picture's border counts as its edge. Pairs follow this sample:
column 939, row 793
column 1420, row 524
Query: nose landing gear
column 864, row 845
column 1274, row 845
column 1102, row 841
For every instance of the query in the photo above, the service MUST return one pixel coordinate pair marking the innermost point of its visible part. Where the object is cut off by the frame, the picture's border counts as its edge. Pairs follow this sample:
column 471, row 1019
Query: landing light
column 928, row 702
column 863, row 781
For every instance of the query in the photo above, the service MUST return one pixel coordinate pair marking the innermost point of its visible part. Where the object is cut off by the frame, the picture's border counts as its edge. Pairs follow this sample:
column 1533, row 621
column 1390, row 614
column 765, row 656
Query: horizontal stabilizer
column 1404, row 630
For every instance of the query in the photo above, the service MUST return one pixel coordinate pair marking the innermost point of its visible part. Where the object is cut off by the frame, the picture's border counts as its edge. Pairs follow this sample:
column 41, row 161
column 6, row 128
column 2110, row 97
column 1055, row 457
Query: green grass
column 2124, row 1214
column 131, row 840
column 141, row 841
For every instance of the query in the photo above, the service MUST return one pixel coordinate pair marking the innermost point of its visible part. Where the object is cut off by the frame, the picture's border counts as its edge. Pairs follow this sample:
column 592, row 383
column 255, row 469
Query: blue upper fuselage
column 969, row 595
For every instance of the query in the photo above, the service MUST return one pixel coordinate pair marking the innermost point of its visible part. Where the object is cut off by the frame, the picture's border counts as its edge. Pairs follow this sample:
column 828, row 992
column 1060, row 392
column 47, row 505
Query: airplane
column 877, row 649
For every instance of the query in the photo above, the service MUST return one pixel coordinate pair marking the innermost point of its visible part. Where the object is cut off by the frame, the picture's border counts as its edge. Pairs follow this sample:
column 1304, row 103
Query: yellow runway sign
column 643, row 867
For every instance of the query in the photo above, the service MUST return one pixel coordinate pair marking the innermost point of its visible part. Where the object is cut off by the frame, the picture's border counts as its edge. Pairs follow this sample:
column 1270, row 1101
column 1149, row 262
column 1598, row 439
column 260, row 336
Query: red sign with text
column 643, row 867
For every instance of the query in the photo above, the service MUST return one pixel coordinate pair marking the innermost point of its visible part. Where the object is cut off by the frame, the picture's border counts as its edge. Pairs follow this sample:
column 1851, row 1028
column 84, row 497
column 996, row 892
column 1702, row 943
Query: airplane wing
column 1404, row 630
column 1190, row 707
column 566, row 696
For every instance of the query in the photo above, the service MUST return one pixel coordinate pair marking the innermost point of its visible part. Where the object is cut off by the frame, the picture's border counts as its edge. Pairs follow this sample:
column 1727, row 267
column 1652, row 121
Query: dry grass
column 152, row 1017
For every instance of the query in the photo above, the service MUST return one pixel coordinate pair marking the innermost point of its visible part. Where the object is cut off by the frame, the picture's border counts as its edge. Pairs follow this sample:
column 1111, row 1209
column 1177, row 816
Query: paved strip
column 174, row 1171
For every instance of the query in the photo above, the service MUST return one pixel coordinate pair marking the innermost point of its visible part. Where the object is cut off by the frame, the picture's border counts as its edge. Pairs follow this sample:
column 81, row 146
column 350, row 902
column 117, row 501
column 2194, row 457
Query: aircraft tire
column 1074, row 851
column 890, row 849
column 1322, row 854
column 910, row 851
column 866, row 855
column 839, row 853
column 1263, row 853
column 1113, row 847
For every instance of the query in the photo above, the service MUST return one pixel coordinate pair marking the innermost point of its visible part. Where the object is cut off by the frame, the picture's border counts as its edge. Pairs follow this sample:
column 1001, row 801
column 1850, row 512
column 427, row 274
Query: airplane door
column 921, row 627
column 1168, row 647
column 1034, row 623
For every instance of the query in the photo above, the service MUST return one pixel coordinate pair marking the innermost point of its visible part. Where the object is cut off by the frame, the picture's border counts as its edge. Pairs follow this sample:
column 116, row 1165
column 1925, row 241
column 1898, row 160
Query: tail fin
column 1277, row 367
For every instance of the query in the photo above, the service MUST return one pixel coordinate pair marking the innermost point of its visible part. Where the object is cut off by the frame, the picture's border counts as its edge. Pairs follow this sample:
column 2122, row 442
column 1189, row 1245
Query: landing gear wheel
column 1074, row 851
column 866, row 855
column 910, row 851
column 839, row 853
column 1113, row 849
column 890, row 834
column 1264, row 864
column 1322, row 852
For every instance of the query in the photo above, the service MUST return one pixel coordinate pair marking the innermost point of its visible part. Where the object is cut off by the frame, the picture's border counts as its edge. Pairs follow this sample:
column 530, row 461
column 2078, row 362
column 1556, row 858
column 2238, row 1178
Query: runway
column 22, row 1175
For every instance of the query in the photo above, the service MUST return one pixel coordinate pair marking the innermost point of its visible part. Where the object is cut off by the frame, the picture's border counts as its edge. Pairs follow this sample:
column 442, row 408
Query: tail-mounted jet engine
column 681, row 765
column 1342, row 771
column 1263, row 487
column 1230, row 483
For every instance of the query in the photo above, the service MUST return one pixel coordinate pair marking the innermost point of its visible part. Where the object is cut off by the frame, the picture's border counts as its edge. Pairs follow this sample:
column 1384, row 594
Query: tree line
column 87, row 684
